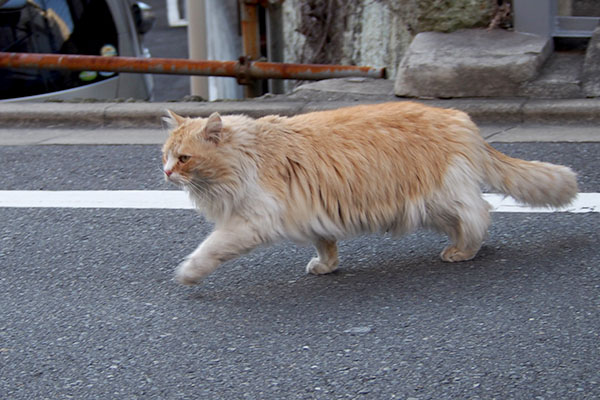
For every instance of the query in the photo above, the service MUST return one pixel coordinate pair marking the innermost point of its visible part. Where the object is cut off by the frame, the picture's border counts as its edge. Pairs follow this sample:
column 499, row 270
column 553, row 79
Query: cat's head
column 195, row 154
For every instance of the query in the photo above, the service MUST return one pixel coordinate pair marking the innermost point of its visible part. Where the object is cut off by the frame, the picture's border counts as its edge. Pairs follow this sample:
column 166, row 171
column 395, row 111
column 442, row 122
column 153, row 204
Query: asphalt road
column 89, row 309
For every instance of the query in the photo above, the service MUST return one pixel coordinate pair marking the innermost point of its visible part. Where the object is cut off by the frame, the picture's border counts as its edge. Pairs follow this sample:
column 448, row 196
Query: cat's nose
column 168, row 172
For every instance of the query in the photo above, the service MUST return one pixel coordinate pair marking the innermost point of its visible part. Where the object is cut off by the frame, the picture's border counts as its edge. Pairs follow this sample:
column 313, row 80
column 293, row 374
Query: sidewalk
column 505, row 133
column 321, row 95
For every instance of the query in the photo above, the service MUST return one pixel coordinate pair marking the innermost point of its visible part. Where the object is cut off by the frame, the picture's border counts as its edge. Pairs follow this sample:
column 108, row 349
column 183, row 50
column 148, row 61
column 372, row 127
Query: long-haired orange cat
column 328, row 175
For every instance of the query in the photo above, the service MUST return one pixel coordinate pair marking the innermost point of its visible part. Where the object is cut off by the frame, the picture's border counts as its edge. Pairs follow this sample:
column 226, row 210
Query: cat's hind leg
column 466, row 222
column 469, row 232
column 327, row 260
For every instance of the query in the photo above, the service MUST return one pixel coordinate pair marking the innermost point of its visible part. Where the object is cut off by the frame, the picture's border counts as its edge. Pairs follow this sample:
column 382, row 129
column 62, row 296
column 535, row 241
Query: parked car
column 90, row 27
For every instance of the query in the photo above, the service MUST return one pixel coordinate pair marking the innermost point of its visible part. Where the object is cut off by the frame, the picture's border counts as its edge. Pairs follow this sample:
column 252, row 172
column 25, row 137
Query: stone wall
column 371, row 32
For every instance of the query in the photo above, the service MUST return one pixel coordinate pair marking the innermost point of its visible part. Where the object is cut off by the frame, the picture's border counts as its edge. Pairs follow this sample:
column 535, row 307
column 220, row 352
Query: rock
column 366, row 32
column 470, row 63
column 560, row 78
column 590, row 77
column 448, row 16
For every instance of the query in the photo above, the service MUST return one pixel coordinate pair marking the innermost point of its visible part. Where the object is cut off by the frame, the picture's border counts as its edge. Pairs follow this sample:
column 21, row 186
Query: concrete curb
column 148, row 115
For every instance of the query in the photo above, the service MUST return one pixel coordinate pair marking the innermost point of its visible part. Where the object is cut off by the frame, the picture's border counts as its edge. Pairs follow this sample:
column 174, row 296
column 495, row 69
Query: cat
column 328, row 175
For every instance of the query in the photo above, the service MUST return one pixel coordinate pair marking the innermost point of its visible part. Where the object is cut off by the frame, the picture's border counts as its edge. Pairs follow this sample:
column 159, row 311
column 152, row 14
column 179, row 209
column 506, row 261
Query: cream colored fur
column 328, row 175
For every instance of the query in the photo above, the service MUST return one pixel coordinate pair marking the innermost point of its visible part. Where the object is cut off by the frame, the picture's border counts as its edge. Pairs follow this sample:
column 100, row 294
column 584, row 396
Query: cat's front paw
column 189, row 273
column 316, row 267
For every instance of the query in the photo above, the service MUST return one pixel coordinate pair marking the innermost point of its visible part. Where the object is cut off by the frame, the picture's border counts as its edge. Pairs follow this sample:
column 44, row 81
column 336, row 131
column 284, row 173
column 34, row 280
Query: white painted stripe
column 583, row 203
column 162, row 199
column 172, row 199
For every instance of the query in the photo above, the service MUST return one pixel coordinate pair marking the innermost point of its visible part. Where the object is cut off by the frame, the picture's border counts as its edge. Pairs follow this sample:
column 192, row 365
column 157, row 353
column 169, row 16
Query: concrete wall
column 371, row 32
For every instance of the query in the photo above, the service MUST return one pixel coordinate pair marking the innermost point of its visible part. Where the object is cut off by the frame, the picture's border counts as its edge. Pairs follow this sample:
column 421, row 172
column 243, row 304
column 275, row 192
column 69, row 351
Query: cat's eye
column 184, row 159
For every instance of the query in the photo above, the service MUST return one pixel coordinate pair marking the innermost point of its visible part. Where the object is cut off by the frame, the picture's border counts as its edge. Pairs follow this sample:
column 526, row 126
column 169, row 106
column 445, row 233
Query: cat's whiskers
column 164, row 181
column 198, row 189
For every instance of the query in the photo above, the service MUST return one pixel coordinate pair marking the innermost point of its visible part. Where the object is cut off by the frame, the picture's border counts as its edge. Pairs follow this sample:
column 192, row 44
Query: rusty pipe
column 249, row 23
column 243, row 70
column 250, row 30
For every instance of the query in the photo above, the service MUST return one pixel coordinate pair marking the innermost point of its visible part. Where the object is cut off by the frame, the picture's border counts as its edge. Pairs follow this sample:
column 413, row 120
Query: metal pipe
column 314, row 72
column 250, row 42
column 275, row 41
column 250, row 29
column 243, row 70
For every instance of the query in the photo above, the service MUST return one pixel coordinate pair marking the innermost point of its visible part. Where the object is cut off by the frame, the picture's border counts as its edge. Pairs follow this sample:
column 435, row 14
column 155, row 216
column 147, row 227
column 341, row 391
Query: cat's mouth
column 174, row 178
column 186, row 183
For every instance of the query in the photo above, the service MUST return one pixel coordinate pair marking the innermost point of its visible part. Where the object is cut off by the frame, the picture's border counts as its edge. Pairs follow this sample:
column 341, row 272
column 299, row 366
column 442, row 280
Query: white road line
column 161, row 199
column 171, row 199
column 583, row 203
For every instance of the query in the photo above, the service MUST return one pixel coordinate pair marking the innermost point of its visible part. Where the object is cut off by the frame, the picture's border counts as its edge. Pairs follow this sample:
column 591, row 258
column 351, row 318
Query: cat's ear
column 214, row 127
column 173, row 120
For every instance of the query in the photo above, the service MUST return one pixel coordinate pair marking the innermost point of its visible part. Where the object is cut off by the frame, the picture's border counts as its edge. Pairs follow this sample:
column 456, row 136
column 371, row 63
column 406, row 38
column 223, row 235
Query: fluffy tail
column 531, row 182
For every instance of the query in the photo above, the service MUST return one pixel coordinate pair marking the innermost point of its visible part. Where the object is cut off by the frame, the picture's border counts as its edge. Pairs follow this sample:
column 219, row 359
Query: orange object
column 244, row 70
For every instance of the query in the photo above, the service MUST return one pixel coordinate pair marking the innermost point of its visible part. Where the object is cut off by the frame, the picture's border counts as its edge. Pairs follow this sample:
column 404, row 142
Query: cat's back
column 401, row 114
column 392, row 124
column 408, row 142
